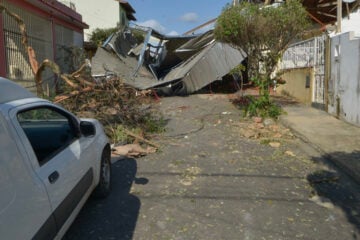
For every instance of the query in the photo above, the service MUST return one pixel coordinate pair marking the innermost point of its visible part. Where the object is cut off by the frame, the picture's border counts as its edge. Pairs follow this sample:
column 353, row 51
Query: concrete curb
column 352, row 173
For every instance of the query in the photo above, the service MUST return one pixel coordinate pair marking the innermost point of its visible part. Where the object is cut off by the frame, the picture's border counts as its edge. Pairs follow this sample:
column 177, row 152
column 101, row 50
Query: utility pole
column 339, row 16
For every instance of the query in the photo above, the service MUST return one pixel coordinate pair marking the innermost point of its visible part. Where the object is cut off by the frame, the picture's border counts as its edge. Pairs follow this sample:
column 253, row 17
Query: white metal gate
column 319, row 70
column 309, row 54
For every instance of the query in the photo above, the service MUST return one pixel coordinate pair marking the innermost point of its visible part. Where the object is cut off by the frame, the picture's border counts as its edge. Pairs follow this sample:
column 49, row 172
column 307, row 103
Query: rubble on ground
column 171, row 65
column 116, row 105
column 132, row 150
column 266, row 130
column 113, row 103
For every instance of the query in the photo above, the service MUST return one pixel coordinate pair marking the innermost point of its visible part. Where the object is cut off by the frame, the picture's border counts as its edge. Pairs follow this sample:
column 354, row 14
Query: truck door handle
column 53, row 177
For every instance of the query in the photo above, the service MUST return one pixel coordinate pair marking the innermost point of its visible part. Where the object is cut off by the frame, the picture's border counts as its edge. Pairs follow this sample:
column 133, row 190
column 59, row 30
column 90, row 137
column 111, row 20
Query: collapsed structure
column 173, row 65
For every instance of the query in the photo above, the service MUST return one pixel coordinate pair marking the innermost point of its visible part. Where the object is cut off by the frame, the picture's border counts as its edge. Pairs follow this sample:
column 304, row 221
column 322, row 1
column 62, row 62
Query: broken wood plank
column 141, row 138
column 60, row 98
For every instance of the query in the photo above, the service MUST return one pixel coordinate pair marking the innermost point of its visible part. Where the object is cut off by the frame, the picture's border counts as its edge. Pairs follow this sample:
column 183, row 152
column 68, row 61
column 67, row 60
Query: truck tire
column 103, row 189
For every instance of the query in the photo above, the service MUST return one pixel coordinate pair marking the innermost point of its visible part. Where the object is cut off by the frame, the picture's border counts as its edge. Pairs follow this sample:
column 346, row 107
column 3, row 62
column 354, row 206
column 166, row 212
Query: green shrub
column 261, row 107
column 99, row 35
column 152, row 124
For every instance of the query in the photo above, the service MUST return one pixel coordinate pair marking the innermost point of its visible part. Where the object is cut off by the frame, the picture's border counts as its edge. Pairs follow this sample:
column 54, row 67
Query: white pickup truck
column 50, row 163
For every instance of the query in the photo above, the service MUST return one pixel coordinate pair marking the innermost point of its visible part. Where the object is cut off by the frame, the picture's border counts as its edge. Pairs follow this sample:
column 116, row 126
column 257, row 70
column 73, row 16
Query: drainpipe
column 327, row 72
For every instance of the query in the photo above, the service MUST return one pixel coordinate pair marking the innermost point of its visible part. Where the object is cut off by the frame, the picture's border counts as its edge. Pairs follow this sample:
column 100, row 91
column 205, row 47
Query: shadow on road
column 114, row 217
column 338, row 189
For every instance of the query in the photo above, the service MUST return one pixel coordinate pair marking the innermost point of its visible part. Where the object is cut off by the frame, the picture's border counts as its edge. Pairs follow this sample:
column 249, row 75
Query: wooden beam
column 322, row 5
column 198, row 27
column 317, row 20
column 326, row 14
column 339, row 16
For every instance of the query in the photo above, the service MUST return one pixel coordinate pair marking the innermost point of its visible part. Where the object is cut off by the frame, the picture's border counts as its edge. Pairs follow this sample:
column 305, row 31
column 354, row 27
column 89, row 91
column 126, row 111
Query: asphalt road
column 210, row 182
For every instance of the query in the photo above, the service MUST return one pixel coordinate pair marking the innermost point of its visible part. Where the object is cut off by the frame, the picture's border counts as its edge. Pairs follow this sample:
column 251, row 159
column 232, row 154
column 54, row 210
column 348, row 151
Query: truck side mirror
column 87, row 129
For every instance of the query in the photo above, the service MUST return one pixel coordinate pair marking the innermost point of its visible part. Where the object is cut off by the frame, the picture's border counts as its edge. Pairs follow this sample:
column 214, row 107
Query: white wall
column 344, row 83
column 97, row 14
column 352, row 23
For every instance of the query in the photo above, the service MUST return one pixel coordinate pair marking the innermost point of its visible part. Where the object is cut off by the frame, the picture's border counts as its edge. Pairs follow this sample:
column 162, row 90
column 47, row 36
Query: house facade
column 344, row 81
column 53, row 31
column 325, row 71
column 303, row 69
column 126, row 13
column 102, row 14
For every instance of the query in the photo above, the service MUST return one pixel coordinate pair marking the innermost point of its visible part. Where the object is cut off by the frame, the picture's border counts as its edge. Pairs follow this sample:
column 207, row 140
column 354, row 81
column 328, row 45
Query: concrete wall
column 352, row 23
column 344, row 82
column 98, row 14
column 296, row 84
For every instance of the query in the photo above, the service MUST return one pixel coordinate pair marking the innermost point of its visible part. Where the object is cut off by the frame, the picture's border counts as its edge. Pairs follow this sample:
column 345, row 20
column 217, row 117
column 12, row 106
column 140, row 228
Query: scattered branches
column 109, row 100
column 125, row 114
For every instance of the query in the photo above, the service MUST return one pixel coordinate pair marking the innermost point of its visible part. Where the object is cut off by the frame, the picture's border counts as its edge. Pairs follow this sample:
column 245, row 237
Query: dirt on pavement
column 211, row 181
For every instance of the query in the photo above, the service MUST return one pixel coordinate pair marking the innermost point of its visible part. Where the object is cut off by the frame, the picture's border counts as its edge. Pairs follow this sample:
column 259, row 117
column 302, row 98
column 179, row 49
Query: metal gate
column 319, row 71
column 309, row 54
column 39, row 33
column 68, row 42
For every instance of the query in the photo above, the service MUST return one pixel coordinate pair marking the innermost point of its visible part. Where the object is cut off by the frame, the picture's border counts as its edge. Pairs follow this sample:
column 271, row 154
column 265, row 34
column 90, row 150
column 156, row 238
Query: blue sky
column 175, row 16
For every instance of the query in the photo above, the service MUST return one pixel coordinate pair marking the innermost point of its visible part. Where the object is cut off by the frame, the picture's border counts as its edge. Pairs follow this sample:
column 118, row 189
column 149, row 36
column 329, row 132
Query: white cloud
column 189, row 17
column 173, row 33
column 153, row 24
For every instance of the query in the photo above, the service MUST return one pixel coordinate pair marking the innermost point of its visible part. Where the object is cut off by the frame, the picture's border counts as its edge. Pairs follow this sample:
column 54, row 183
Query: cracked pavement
column 209, row 182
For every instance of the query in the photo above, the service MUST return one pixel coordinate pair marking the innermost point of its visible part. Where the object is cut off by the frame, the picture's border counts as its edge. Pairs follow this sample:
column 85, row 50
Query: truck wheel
column 104, row 187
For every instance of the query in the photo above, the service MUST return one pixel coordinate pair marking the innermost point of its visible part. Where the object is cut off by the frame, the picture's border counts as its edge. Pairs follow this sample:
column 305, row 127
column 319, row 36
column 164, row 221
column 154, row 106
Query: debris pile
column 116, row 105
column 266, row 131
column 171, row 65
column 132, row 150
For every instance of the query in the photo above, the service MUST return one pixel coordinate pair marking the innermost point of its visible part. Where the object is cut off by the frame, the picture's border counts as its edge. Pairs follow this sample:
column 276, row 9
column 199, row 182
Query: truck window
column 47, row 130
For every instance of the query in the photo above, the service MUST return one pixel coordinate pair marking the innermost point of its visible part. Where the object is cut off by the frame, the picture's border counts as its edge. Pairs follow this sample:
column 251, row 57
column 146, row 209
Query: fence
column 308, row 54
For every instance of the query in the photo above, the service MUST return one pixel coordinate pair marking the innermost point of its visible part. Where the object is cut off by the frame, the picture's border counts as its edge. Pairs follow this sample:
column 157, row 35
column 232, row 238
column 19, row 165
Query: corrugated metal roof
column 209, row 65
column 203, row 60
column 194, row 45
column 218, row 61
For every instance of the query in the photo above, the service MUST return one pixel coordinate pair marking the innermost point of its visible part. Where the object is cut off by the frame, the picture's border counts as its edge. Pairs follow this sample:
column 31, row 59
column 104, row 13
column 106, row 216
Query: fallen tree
column 126, row 113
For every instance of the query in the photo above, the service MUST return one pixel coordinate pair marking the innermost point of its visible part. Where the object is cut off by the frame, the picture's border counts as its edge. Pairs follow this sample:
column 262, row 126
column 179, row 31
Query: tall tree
column 263, row 33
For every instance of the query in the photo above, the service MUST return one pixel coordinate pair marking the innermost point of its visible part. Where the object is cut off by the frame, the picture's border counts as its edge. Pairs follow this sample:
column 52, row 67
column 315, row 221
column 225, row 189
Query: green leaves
column 263, row 33
column 99, row 36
